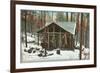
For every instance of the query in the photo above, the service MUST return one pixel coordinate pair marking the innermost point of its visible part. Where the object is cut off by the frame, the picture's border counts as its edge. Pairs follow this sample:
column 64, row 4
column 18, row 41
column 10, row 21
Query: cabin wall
column 56, row 40
column 55, row 37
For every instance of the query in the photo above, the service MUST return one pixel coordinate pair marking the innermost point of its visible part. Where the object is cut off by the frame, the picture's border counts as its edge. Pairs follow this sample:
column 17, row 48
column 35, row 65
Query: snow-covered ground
column 30, row 37
column 85, row 53
column 33, row 57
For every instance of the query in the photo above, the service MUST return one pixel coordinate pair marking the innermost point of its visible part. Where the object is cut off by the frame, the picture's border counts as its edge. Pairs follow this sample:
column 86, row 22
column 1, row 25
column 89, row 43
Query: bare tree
column 25, row 28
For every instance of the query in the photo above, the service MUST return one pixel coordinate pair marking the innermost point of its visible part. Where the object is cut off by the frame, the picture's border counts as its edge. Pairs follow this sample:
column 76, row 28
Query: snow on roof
column 68, row 26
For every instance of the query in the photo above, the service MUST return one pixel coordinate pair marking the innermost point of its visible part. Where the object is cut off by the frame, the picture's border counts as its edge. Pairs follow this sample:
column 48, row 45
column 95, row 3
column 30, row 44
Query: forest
column 34, row 20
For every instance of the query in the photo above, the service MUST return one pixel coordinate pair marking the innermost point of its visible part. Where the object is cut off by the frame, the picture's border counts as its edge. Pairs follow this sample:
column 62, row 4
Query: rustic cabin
column 57, row 35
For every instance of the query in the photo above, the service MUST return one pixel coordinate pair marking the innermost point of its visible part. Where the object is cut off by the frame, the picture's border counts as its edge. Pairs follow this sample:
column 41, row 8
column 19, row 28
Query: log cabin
column 58, row 35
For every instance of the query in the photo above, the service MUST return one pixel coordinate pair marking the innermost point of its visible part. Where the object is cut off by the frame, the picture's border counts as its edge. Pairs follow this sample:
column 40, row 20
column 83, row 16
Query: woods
column 37, row 23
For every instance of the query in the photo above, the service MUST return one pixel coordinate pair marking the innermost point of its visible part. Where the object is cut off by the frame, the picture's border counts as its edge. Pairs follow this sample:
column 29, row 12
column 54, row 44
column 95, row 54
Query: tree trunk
column 60, row 42
column 81, row 36
column 48, row 37
column 25, row 29
column 44, row 18
column 67, row 16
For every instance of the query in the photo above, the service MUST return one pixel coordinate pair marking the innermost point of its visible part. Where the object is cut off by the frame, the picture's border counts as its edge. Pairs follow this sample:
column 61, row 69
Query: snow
column 33, row 57
column 85, row 52
column 51, row 55
column 65, row 55
column 30, row 37
column 78, row 44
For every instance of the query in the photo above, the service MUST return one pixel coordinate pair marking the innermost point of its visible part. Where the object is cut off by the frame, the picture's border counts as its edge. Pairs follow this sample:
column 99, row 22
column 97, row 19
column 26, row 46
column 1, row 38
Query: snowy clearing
column 33, row 57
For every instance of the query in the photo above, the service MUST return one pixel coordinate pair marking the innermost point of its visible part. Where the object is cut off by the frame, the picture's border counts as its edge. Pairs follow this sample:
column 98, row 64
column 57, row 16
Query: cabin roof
column 67, row 26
